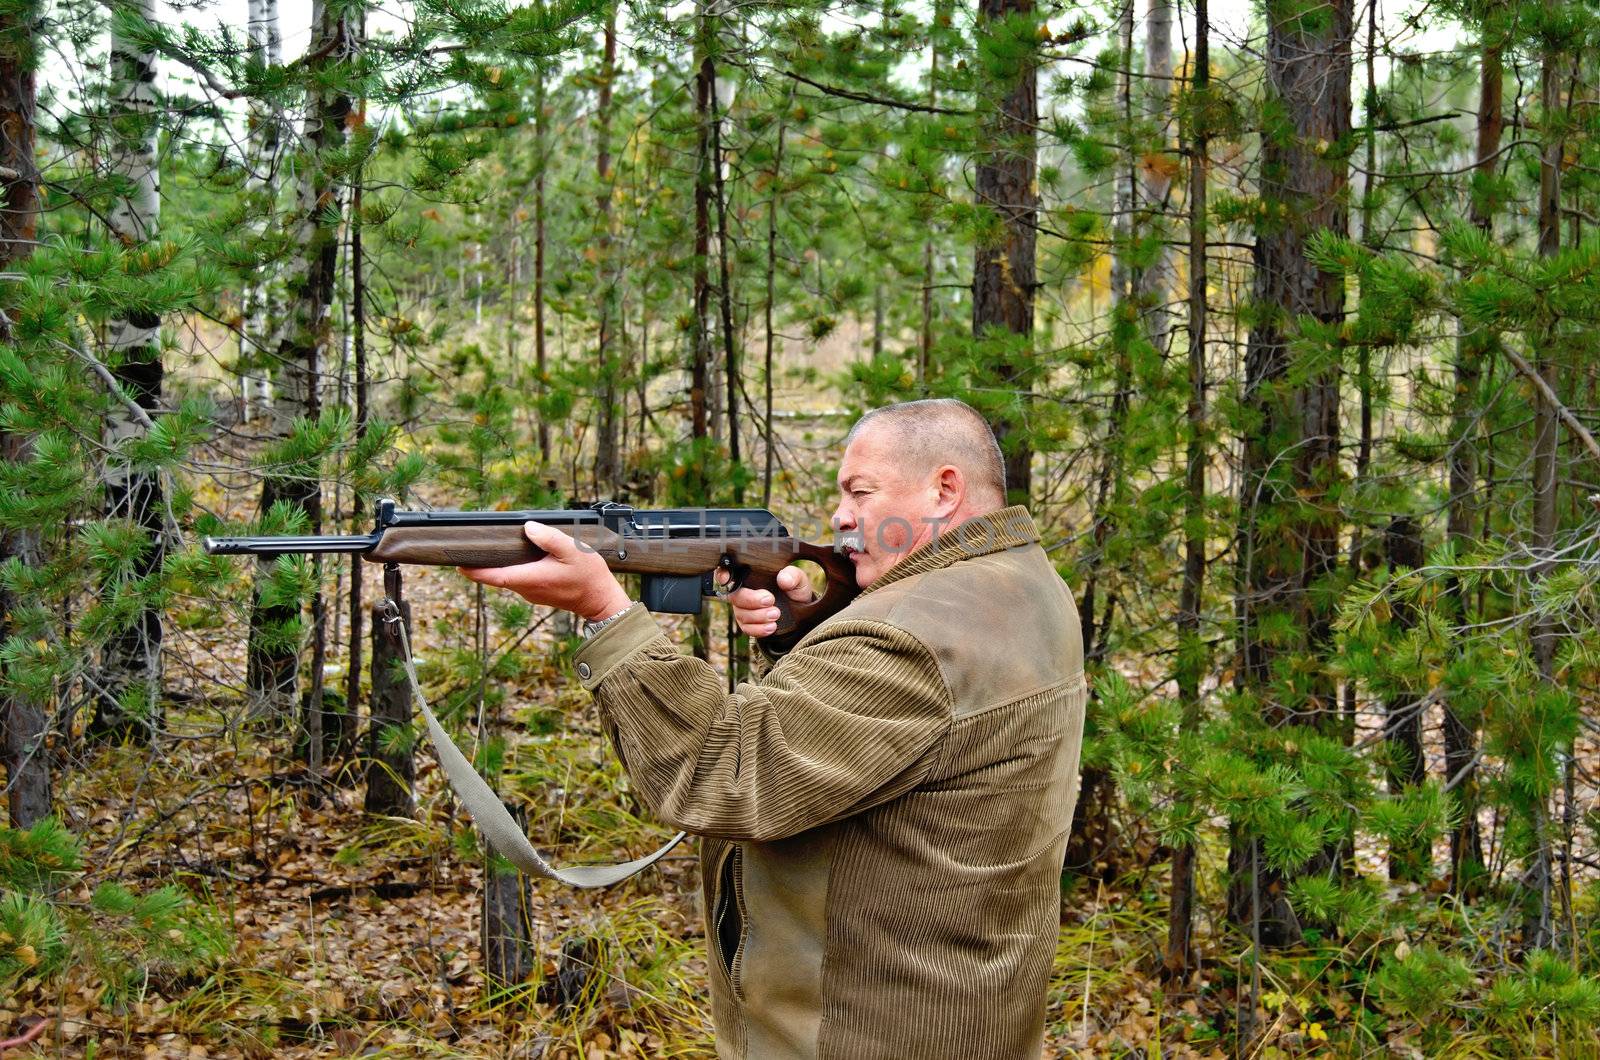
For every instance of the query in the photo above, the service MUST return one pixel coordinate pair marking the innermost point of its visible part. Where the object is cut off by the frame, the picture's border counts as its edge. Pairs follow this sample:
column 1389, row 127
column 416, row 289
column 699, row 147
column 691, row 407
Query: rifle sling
column 490, row 814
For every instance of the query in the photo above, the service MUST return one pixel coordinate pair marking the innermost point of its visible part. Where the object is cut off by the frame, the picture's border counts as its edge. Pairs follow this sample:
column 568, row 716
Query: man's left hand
column 569, row 577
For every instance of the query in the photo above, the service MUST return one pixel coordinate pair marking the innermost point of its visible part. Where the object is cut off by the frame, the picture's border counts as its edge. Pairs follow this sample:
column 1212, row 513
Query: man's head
column 912, row 471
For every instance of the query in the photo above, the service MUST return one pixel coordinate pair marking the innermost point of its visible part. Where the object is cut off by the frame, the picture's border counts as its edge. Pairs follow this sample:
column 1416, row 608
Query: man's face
column 883, row 511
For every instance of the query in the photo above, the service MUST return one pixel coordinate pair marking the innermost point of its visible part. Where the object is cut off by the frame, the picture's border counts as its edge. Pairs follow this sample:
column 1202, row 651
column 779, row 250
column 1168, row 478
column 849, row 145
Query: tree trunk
column 23, row 721
column 700, row 341
column 1191, row 647
column 700, row 352
column 1095, row 839
column 1467, row 869
column 1003, row 272
column 273, row 656
column 130, row 687
column 1154, row 282
column 776, row 189
column 391, row 767
column 607, row 471
column 540, row 364
column 1402, row 728
column 1123, row 185
column 941, row 21
column 738, row 643
column 1123, row 280
column 358, row 341
column 506, row 928
column 259, row 312
column 1537, row 925
column 1369, row 201
column 730, row 353
column 1289, row 539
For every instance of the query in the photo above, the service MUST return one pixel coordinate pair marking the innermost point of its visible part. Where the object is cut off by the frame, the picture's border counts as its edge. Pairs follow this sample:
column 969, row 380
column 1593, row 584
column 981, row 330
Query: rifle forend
column 676, row 551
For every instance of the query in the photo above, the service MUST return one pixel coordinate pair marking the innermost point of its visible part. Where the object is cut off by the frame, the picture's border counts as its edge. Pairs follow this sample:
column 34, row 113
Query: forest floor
column 349, row 935
column 352, row 935
column 359, row 936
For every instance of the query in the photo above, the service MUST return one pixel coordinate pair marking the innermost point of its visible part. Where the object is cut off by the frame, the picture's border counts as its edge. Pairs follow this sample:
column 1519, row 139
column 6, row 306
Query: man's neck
column 964, row 514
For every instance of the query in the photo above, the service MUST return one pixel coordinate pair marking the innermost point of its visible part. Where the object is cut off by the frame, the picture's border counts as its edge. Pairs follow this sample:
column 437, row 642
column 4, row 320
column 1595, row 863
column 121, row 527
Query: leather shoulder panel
column 1002, row 626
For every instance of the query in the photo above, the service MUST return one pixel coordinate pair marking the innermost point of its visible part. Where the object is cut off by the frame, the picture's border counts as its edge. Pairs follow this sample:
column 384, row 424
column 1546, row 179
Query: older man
column 884, row 812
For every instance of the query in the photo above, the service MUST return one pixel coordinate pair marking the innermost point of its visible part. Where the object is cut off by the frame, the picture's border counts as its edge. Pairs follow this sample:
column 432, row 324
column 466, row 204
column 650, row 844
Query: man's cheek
column 893, row 535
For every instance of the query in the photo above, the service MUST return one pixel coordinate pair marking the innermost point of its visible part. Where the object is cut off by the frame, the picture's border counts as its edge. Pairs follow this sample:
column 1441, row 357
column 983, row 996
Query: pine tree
column 1472, row 348
column 1289, row 500
column 1538, row 927
column 1192, row 662
column 607, row 467
column 1004, row 268
column 22, row 717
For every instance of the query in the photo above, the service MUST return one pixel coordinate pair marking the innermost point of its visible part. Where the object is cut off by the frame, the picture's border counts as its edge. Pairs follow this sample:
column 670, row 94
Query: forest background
column 1284, row 314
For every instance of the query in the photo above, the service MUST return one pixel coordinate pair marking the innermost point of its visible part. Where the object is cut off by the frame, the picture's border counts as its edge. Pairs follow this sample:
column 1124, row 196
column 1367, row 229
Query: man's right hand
column 756, row 611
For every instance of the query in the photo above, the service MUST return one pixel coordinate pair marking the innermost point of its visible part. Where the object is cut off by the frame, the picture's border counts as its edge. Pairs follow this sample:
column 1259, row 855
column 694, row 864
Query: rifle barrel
column 288, row 546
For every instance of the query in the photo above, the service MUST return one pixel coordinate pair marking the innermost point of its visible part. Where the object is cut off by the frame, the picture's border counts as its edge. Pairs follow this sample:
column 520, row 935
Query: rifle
column 676, row 551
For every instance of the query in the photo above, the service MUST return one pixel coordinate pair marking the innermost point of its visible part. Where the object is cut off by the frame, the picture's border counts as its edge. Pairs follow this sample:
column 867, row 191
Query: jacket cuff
column 610, row 648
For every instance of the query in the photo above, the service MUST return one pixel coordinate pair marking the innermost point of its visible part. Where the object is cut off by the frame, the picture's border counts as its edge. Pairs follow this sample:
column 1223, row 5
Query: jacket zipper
column 730, row 918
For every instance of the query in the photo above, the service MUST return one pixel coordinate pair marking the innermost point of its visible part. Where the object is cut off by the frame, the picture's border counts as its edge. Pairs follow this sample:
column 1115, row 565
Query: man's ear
column 952, row 487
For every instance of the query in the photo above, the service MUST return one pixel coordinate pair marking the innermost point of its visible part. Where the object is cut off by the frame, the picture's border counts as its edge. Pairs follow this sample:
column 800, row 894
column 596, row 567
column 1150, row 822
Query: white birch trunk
column 1156, row 281
column 131, row 662
column 135, row 214
column 305, row 334
column 1122, row 202
column 308, row 325
column 260, row 315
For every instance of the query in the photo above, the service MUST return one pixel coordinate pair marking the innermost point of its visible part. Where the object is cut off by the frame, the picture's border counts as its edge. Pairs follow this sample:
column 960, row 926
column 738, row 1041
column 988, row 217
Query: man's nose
column 843, row 517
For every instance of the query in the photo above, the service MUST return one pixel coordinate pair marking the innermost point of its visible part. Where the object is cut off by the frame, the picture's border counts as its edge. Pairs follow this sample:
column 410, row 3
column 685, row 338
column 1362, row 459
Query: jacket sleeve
column 850, row 720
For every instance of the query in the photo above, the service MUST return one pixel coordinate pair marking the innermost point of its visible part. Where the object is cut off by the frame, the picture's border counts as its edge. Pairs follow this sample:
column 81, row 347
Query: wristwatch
column 591, row 628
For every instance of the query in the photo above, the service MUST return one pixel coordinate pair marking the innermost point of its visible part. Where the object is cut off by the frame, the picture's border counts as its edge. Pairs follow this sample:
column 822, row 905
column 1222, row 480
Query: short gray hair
column 937, row 431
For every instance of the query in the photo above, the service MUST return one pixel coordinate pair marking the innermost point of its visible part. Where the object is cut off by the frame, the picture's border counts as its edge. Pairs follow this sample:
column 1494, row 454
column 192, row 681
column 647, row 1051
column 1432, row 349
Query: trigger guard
column 737, row 573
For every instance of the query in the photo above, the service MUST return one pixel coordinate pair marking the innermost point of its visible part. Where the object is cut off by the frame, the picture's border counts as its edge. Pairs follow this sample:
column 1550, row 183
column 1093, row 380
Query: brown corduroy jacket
column 885, row 811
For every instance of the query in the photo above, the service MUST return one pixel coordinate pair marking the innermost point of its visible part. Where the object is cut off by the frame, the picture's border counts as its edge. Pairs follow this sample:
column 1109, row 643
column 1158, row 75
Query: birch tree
column 259, row 317
column 1156, row 167
column 131, row 661
column 291, row 486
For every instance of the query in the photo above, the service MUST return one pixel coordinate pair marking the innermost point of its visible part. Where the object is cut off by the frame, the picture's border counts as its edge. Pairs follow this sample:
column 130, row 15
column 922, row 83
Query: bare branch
column 862, row 97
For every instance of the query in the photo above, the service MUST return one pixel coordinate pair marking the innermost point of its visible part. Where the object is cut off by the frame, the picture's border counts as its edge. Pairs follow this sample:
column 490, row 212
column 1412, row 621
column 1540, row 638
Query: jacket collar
column 1003, row 529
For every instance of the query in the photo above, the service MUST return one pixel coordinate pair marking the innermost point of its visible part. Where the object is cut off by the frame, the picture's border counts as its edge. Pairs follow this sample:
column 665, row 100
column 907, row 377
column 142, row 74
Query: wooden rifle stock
column 753, row 561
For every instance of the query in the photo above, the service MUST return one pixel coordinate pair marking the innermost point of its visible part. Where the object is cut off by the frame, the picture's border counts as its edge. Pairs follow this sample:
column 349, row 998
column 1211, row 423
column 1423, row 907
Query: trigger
column 737, row 573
